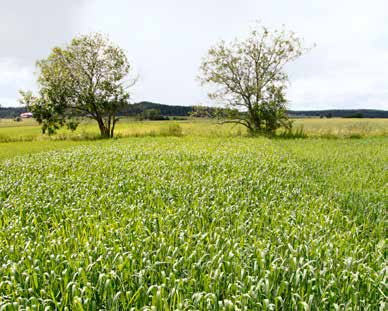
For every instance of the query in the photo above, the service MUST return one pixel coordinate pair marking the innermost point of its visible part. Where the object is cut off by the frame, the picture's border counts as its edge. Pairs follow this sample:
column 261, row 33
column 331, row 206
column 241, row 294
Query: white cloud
column 337, row 91
column 166, row 40
column 13, row 77
column 7, row 102
column 11, row 72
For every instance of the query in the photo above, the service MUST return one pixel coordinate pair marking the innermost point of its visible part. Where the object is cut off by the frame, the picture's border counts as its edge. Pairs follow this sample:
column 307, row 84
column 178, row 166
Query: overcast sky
column 165, row 41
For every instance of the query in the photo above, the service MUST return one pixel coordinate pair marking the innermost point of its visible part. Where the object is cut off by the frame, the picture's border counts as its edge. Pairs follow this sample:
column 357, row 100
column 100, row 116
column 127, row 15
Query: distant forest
column 340, row 113
column 141, row 108
column 11, row 112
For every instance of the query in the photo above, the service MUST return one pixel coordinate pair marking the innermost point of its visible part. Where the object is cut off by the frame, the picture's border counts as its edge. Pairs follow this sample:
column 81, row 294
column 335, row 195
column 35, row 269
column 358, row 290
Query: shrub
column 72, row 124
column 172, row 130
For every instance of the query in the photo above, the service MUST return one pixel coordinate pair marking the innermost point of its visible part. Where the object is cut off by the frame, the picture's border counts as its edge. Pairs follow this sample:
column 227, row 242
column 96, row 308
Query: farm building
column 26, row 115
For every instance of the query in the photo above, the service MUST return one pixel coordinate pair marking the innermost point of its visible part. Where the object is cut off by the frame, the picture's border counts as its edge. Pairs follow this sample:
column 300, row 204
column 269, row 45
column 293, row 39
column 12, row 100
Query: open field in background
column 28, row 130
column 195, row 223
column 343, row 128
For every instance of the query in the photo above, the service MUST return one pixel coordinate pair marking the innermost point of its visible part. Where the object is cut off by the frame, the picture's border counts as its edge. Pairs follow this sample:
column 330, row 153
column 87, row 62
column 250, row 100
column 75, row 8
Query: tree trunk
column 254, row 121
column 113, row 126
column 104, row 131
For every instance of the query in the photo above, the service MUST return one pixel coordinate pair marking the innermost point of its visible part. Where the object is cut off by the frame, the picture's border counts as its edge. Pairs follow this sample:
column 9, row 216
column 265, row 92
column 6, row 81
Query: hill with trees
column 140, row 108
column 11, row 112
column 340, row 113
column 165, row 110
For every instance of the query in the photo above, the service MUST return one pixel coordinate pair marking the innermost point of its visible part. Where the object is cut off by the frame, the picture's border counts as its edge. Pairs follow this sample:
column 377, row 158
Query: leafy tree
column 72, row 124
column 153, row 114
column 248, row 75
column 51, row 117
column 329, row 115
column 87, row 77
column 200, row 112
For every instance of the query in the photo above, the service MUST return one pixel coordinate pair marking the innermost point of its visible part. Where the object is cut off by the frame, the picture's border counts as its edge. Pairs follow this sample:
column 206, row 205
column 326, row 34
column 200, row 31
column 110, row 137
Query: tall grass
column 28, row 130
column 170, row 223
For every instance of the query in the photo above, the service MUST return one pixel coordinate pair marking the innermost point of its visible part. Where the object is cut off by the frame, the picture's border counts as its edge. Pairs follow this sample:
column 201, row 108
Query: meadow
column 191, row 215
column 29, row 130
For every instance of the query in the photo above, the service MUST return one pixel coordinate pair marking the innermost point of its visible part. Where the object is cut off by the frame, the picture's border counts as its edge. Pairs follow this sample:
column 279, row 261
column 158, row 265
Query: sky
column 165, row 41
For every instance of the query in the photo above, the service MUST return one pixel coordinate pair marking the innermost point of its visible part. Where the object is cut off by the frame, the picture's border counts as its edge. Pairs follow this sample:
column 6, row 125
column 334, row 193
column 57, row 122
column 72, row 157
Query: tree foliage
column 87, row 77
column 200, row 111
column 51, row 117
column 153, row 114
column 249, row 75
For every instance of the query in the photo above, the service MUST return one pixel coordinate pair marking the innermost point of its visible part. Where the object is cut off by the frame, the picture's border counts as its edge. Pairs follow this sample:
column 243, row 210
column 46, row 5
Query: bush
column 72, row 124
column 153, row 114
column 172, row 130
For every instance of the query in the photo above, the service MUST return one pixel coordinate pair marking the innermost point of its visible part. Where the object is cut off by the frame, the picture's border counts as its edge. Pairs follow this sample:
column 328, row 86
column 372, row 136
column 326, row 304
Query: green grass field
column 28, row 129
column 211, row 220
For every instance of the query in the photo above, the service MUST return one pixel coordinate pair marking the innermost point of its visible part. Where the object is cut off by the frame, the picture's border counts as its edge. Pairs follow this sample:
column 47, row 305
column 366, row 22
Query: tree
column 153, row 114
column 89, row 77
column 49, row 116
column 329, row 115
column 200, row 111
column 248, row 75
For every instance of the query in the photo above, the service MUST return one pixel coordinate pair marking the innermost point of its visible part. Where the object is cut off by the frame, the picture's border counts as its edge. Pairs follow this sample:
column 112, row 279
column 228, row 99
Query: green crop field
column 29, row 130
column 196, row 222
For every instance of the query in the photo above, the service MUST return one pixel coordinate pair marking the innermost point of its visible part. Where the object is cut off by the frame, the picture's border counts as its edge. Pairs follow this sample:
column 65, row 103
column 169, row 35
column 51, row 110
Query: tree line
column 140, row 109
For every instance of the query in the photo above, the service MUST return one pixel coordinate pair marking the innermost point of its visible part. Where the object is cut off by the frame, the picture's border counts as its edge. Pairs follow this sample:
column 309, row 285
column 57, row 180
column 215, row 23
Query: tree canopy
column 248, row 77
column 88, row 77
